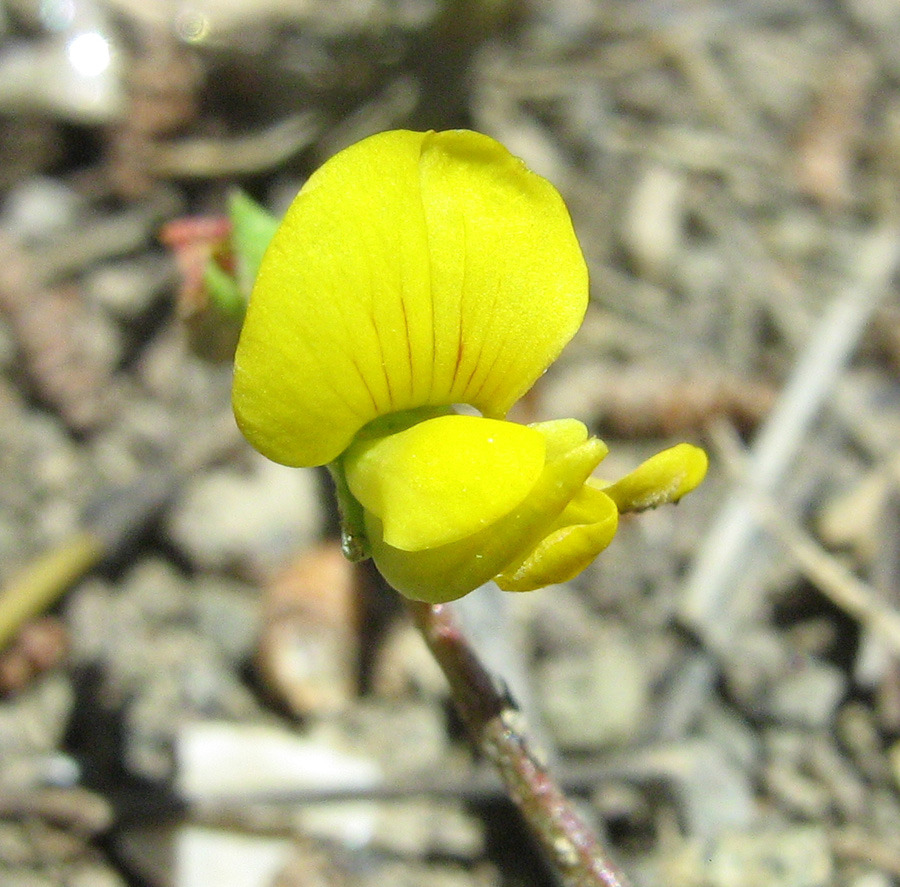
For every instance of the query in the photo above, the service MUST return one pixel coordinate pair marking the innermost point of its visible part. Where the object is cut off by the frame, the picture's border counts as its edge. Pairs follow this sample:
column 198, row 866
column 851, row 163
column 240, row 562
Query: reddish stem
column 497, row 728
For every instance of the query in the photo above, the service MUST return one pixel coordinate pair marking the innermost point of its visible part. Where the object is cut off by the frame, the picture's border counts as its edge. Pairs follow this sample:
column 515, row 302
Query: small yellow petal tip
column 662, row 479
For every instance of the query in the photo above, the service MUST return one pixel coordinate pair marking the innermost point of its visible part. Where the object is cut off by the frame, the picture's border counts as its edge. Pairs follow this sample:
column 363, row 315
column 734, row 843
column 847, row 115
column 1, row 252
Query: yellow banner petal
column 413, row 269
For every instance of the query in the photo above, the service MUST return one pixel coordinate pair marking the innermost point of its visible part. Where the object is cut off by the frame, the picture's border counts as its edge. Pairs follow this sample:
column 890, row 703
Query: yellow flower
column 415, row 272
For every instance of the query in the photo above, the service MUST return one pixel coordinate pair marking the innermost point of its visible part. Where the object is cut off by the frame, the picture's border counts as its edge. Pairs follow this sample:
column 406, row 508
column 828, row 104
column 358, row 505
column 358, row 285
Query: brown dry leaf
column 829, row 139
column 70, row 350
column 650, row 401
column 39, row 646
column 164, row 83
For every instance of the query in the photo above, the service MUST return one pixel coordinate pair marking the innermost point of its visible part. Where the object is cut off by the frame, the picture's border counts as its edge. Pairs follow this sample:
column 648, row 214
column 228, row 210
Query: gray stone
column 595, row 698
column 797, row 856
column 405, row 667
column 733, row 735
column 404, row 874
column 36, row 719
column 168, row 651
column 94, row 875
column 410, row 829
column 39, row 207
column 789, row 856
column 712, row 792
column 7, row 346
column 228, row 614
column 809, row 695
column 406, row 738
column 872, row 878
column 15, row 846
column 126, row 288
column 652, row 228
column 254, row 519
column 27, row 878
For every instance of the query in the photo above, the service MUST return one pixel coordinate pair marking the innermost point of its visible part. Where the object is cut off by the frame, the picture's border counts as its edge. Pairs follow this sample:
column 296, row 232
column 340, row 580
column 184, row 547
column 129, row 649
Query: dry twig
column 707, row 606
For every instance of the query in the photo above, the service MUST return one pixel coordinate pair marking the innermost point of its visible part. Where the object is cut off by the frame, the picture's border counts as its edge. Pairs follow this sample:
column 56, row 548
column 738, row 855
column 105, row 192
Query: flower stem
column 498, row 730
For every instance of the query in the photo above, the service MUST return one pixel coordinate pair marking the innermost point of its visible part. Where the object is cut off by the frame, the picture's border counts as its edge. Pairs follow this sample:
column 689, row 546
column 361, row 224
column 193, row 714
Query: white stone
column 224, row 760
column 205, row 856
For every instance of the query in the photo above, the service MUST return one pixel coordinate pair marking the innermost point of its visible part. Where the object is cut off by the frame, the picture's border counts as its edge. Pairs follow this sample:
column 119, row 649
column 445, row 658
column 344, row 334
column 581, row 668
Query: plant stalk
column 498, row 730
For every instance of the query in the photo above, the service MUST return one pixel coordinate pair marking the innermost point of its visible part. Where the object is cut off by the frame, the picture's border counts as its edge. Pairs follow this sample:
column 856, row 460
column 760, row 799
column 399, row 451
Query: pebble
column 8, row 346
column 595, row 698
column 712, row 792
column 38, row 207
column 413, row 829
column 35, row 720
column 407, row 738
column 185, row 679
column 797, row 856
column 704, row 272
column 94, row 875
column 26, row 878
column 308, row 651
column 809, row 695
column 756, row 658
column 127, row 288
column 404, row 666
column 227, row 612
column 71, row 351
column 791, row 856
column 777, row 71
column 845, row 784
column 894, row 758
column 15, row 847
column 558, row 620
column 168, row 650
column 796, row 792
column 312, row 864
column 879, row 19
column 872, row 878
column 205, row 856
column 398, row 874
column 30, row 769
column 654, row 219
column 219, row 759
column 732, row 734
column 192, row 388
column 858, row 732
column 254, row 519
column 53, row 483
column 39, row 77
column 851, row 519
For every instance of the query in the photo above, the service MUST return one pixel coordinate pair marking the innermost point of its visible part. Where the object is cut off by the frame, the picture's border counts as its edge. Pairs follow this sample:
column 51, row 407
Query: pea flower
column 414, row 273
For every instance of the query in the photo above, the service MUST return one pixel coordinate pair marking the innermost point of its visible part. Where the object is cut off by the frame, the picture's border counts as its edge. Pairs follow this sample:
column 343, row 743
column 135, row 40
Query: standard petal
column 445, row 478
column 413, row 269
column 509, row 281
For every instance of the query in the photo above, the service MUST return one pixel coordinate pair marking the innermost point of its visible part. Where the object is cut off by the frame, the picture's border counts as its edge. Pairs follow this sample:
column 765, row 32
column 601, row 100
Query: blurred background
column 198, row 690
